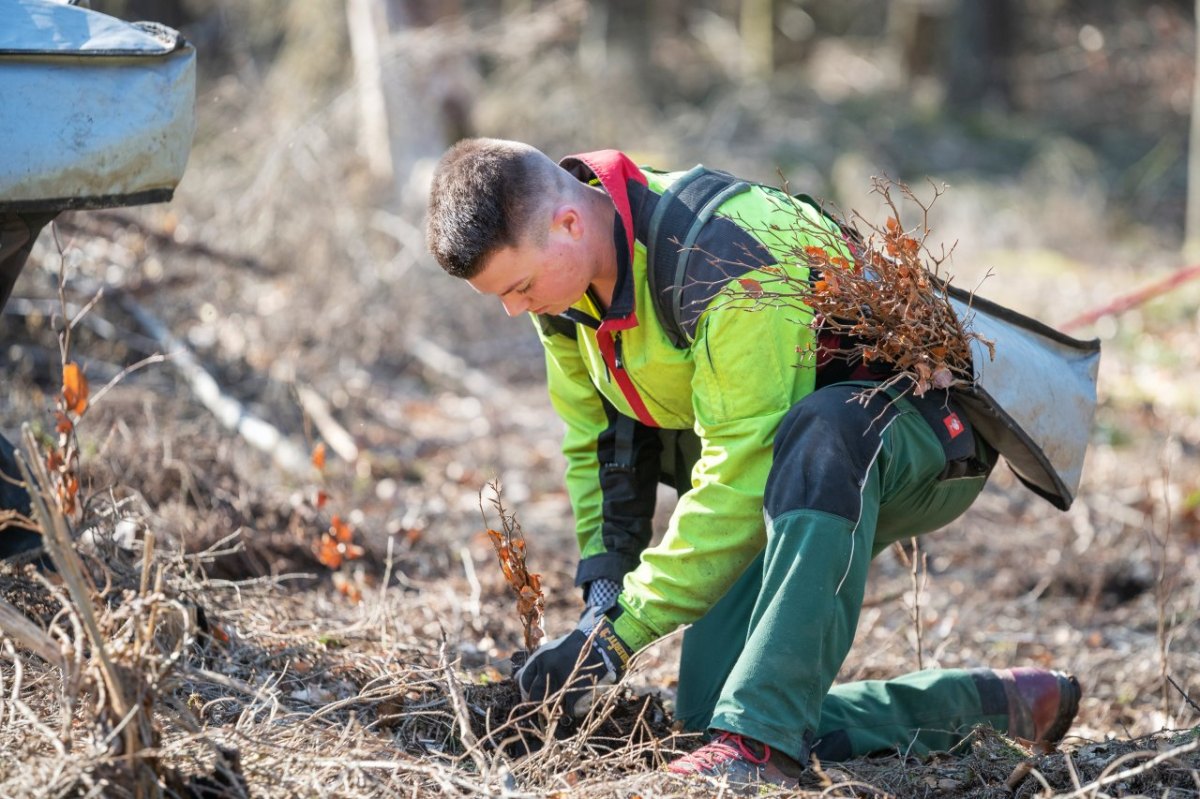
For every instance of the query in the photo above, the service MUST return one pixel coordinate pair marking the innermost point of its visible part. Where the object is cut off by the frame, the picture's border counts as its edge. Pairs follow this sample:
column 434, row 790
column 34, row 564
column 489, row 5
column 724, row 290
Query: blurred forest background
column 291, row 267
column 1062, row 127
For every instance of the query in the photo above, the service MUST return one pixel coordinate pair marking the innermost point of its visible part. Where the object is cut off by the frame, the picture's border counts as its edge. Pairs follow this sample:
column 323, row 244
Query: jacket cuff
column 632, row 631
column 613, row 565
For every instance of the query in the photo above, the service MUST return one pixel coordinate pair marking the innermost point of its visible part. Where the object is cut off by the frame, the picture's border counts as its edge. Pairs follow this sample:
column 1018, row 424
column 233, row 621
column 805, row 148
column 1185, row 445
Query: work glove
column 590, row 656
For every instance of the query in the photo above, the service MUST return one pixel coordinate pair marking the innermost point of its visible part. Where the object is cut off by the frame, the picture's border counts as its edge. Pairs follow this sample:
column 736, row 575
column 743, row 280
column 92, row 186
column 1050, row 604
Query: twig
column 17, row 625
column 1099, row 783
column 337, row 437
column 58, row 544
column 473, row 608
column 1184, row 694
column 128, row 370
column 459, row 704
column 918, row 568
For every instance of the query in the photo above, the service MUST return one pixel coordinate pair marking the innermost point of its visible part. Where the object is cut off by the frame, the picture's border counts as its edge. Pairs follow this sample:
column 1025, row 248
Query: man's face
column 538, row 278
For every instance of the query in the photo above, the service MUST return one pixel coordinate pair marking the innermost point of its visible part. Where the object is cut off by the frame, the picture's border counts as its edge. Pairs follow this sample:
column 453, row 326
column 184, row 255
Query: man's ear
column 567, row 219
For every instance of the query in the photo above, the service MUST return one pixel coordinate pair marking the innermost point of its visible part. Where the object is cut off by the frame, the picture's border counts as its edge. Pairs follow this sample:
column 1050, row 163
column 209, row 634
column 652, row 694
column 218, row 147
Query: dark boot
column 1041, row 703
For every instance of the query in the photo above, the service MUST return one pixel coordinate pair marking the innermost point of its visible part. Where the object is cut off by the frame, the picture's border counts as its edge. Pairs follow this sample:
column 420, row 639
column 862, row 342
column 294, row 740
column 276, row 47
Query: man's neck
column 604, row 282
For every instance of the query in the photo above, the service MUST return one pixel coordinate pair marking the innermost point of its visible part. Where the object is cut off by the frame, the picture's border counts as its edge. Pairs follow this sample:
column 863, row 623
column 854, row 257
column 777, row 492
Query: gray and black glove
column 590, row 656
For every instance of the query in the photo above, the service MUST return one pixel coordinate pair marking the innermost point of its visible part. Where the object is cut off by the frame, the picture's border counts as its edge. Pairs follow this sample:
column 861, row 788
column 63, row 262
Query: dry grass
column 297, row 691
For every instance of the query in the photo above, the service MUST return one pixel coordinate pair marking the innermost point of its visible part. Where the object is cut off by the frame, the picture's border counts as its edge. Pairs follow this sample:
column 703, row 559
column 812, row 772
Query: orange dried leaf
column 75, row 389
column 751, row 286
column 318, row 456
column 329, row 553
column 347, row 587
column 892, row 225
column 322, row 498
column 352, row 551
column 63, row 425
column 820, row 286
column 340, row 531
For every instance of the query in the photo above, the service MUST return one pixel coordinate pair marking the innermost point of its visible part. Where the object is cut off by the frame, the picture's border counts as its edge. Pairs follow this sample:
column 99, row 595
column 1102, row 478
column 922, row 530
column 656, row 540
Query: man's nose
column 515, row 304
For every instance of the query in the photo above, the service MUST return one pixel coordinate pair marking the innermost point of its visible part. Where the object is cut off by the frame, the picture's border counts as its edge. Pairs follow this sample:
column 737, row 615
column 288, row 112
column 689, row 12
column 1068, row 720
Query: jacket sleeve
column 612, row 465
column 749, row 369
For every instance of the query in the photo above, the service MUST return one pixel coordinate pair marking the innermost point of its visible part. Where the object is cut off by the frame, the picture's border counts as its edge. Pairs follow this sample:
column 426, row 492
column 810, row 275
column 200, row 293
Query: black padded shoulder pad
column 680, row 214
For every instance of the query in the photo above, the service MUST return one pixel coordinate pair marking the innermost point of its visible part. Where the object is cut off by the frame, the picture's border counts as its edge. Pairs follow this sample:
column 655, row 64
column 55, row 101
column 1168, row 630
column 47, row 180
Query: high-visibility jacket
column 617, row 380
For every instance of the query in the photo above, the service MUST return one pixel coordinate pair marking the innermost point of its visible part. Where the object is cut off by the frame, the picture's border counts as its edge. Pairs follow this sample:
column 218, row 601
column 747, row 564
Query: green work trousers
column 762, row 661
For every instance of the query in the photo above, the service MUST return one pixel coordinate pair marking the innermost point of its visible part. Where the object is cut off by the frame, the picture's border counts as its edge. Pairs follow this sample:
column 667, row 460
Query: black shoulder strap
column 681, row 212
column 556, row 325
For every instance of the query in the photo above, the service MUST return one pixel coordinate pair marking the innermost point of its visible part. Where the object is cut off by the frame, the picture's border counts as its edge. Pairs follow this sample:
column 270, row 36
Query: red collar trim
column 613, row 169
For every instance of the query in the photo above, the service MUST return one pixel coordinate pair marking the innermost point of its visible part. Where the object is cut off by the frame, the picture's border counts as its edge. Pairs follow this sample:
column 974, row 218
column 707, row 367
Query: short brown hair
column 484, row 193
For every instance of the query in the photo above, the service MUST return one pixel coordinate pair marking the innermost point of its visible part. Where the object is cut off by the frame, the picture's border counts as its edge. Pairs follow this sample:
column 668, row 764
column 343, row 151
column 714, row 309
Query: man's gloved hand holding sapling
column 590, row 656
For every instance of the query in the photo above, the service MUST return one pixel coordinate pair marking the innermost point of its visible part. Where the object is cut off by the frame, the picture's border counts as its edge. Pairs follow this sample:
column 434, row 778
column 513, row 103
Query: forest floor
column 259, row 666
column 387, row 675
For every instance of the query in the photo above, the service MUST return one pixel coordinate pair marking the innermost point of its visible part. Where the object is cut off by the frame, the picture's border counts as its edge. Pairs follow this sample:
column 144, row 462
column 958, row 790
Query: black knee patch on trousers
column 823, row 450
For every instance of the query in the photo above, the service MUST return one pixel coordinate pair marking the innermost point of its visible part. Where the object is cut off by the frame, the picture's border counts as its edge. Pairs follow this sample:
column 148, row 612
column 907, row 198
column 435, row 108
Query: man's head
column 486, row 194
column 513, row 223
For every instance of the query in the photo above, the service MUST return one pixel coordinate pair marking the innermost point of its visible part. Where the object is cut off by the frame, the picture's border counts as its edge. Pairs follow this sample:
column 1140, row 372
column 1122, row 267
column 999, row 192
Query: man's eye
column 524, row 289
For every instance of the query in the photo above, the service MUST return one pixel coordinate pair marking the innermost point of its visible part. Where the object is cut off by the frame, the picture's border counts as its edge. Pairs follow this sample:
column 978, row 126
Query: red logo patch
column 954, row 425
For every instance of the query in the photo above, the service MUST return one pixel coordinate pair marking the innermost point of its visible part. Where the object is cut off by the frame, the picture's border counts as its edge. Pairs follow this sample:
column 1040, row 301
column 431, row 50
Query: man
column 787, row 486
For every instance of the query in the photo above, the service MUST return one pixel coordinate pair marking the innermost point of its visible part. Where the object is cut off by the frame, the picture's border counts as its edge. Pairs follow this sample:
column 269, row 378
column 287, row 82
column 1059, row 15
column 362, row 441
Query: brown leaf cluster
column 887, row 300
column 509, row 543
column 877, row 299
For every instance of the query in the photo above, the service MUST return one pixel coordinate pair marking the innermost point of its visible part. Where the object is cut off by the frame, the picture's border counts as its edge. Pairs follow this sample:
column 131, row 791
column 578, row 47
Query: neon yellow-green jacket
column 615, row 377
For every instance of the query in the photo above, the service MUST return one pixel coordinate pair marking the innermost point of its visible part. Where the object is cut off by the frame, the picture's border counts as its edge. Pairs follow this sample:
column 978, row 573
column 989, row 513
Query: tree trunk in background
column 630, row 33
column 409, row 106
column 982, row 37
column 1191, row 237
column 916, row 30
column 363, row 18
column 757, row 25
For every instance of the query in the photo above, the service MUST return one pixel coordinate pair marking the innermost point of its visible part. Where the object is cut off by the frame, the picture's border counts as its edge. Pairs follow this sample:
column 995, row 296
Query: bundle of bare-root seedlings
column 877, row 294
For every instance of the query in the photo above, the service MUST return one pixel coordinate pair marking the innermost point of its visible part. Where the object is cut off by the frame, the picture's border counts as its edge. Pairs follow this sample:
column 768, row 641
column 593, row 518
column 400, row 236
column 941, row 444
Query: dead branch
column 231, row 413
column 337, row 437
